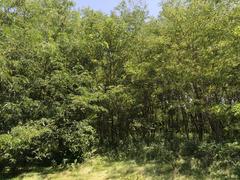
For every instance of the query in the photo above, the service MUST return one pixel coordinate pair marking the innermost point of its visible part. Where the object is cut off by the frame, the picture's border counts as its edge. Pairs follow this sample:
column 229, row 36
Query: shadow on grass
column 19, row 172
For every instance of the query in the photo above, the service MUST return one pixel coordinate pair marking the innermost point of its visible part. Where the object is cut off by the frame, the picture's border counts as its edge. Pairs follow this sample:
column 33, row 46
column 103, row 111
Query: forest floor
column 100, row 168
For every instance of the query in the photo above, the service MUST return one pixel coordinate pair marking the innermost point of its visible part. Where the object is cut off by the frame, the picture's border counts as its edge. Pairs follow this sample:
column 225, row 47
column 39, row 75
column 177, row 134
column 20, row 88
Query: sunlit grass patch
column 102, row 168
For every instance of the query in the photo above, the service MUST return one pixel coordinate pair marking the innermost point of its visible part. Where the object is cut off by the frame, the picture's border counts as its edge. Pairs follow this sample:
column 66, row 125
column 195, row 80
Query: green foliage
column 162, row 89
column 236, row 110
column 80, row 142
column 224, row 159
column 16, row 147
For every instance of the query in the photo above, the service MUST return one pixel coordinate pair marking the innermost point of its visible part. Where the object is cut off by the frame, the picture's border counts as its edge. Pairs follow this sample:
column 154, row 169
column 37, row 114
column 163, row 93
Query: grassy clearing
column 100, row 168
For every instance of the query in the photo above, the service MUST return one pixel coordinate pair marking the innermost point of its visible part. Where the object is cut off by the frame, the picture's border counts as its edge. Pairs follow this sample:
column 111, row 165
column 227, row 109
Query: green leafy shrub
column 221, row 159
column 16, row 147
column 79, row 141
column 38, row 144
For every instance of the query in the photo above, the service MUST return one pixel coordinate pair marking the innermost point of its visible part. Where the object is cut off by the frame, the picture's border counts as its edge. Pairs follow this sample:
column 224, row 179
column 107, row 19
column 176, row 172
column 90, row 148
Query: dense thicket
column 73, row 82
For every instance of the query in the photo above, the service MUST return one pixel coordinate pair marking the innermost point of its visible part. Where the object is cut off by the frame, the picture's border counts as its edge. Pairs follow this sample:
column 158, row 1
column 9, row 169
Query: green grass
column 101, row 168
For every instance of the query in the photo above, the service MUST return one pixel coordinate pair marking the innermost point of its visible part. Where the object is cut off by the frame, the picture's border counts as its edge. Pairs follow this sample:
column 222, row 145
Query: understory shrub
column 41, row 145
column 23, row 145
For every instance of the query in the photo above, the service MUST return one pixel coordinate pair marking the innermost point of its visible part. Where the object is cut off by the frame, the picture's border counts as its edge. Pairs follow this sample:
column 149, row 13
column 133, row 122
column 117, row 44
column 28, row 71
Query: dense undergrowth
column 188, row 160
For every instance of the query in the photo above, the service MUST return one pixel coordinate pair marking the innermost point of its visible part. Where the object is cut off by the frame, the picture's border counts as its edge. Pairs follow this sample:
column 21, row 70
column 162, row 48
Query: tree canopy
column 74, row 83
